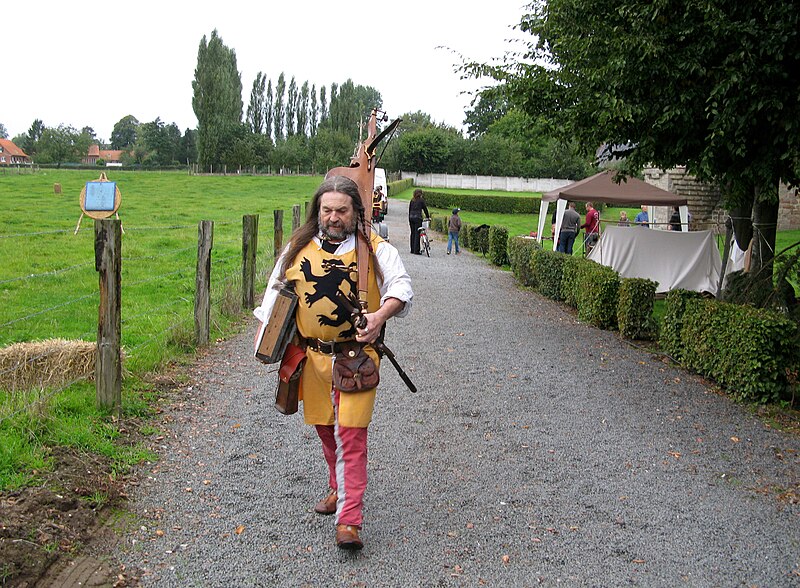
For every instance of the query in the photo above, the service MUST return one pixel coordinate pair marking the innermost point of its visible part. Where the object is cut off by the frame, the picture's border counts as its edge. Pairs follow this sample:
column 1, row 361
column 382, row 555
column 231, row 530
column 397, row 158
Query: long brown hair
column 306, row 232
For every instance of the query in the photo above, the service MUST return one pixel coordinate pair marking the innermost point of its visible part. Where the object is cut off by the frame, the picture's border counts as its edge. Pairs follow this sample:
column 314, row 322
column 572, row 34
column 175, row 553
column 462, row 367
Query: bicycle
column 424, row 241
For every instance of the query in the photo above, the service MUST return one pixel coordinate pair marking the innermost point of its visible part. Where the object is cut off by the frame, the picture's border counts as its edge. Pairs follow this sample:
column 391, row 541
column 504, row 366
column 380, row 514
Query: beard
column 337, row 231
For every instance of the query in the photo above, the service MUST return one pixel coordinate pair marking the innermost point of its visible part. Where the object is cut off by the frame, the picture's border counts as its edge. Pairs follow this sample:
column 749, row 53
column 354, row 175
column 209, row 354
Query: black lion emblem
column 329, row 286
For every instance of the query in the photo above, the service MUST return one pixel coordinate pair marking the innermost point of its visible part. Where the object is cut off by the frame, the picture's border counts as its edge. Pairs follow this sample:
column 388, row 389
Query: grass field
column 49, row 287
column 48, row 282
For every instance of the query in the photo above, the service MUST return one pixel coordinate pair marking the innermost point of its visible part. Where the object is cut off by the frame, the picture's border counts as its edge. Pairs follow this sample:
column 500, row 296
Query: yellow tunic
column 317, row 276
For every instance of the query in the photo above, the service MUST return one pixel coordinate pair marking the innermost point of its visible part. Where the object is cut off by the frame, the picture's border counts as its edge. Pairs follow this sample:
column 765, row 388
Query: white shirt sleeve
column 271, row 294
column 396, row 281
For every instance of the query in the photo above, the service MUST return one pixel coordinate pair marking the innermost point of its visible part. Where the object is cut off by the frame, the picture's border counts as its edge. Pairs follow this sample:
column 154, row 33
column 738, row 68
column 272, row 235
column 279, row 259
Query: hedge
column 635, row 307
column 598, row 296
column 393, row 188
column 479, row 238
column 520, row 253
column 747, row 350
column 670, row 335
column 548, row 267
column 482, row 203
column 575, row 273
column 498, row 243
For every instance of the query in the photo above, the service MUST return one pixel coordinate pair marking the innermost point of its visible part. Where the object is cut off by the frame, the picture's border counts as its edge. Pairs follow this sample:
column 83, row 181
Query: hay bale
column 45, row 364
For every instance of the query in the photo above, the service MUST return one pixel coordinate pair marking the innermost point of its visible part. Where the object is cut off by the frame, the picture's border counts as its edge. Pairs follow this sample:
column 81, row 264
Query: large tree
column 277, row 108
column 709, row 85
column 269, row 114
column 291, row 108
column 255, row 110
column 350, row 106
column 124, row 132
column 3, row 131
column 217, row 100
column 63, row 144
column 302, row 111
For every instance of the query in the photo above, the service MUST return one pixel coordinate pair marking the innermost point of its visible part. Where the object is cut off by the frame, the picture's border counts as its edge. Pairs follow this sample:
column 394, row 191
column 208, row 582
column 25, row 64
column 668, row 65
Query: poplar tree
column 291, row 107
column 313, row 112
column 302, row 110
column 217, row 100
column 255, row 110
column 277, row 108
column 269, row 115
column 323, row 106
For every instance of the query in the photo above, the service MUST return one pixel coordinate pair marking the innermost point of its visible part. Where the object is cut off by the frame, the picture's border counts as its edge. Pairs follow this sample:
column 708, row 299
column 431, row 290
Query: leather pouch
column 354, row 370
column 288, row 392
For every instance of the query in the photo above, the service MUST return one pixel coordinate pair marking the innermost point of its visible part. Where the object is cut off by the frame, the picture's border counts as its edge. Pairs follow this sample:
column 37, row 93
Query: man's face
column 336, row 216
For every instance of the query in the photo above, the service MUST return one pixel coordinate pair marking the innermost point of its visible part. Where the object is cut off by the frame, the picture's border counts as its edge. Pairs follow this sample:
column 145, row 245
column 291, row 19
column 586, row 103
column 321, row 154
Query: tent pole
column 726, row 253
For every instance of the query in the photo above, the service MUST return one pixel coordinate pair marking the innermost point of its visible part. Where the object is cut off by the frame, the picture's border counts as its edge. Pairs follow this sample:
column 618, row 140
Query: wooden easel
column 99, row 214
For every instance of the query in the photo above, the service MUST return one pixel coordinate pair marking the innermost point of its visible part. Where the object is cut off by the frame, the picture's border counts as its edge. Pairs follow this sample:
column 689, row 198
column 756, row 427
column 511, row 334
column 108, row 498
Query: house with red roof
column 10, row 154
column 112, row 157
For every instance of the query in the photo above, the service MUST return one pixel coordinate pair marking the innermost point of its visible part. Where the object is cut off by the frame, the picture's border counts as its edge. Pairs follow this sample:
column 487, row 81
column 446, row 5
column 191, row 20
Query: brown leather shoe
column 327, row 506
column 347, row 537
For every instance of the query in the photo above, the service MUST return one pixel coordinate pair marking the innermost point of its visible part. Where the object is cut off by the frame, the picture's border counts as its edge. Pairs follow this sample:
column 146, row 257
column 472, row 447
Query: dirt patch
column 52, row 523
column 60, row 532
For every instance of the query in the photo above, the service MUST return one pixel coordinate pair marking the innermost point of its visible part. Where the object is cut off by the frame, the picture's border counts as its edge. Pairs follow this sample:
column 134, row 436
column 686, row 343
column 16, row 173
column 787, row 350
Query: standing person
column 569, row 229
column 453, row 229
column 623, row 219
column 675, row 219
column 319, row 263
column 642, row 218
column 415, row 209
column 592, row 226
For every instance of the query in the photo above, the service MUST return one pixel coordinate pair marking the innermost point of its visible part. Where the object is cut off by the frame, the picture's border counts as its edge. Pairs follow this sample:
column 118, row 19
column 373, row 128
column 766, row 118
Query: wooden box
column 276, row 333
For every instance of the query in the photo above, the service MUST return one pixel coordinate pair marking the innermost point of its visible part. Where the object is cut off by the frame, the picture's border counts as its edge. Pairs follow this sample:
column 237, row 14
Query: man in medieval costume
column 320, row 263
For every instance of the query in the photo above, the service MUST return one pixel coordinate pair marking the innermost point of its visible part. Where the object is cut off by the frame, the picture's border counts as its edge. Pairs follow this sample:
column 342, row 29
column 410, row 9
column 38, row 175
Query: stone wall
column 703, row 200
column 788, row 209
column 507, row 184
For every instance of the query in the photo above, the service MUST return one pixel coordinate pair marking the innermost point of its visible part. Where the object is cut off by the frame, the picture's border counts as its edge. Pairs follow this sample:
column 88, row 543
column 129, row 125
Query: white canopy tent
column 602, row 187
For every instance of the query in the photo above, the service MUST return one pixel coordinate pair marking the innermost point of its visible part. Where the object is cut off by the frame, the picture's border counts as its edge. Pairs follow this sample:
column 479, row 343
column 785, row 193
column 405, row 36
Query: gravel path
column 538, row 451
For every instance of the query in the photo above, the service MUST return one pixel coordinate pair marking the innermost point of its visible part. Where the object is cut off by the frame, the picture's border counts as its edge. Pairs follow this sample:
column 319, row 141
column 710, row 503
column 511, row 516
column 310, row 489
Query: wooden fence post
column 295, row 217
column 108, row 363
column 202, row 283
column 249, row 250
column 278, row 232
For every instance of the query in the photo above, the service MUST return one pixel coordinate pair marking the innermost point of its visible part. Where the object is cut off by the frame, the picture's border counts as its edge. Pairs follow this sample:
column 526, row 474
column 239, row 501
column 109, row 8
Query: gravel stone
column 539, row 451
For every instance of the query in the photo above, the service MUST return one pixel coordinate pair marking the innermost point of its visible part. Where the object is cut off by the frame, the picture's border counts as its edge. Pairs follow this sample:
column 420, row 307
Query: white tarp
column 673, row 259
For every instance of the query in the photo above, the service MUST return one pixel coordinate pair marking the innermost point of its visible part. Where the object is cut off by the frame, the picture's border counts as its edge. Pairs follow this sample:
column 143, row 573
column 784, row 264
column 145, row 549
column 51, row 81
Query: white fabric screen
column 672, row 259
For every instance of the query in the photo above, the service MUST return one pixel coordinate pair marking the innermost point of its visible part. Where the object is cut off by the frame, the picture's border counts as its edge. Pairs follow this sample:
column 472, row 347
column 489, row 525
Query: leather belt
column 329, row 347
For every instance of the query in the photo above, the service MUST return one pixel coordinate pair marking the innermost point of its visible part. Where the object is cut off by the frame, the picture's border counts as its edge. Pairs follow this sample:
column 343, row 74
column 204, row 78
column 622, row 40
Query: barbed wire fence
column 158, row 292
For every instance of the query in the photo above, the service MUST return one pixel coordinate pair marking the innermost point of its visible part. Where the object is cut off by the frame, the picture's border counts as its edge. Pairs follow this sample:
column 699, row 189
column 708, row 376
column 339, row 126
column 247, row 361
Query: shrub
column 598, row 295
column 438, row 223
column 670, row 335
column 463, row 236
column 498, row 243
column 520, row 251
column 635, row 307
column 574, row 274
column 548, row 271
column 479, row 238
column 747, row 350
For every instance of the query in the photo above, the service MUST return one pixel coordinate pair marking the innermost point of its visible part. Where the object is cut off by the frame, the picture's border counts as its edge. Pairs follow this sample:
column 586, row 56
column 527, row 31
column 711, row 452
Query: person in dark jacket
column 415, row 209
column 675, row 219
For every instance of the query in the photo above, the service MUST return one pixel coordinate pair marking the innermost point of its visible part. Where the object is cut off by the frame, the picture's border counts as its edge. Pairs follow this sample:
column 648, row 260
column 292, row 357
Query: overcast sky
column 90, row 64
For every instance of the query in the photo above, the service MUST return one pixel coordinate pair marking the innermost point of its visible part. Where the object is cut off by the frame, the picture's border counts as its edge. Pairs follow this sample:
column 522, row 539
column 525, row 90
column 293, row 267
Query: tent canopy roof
column 602, row 188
